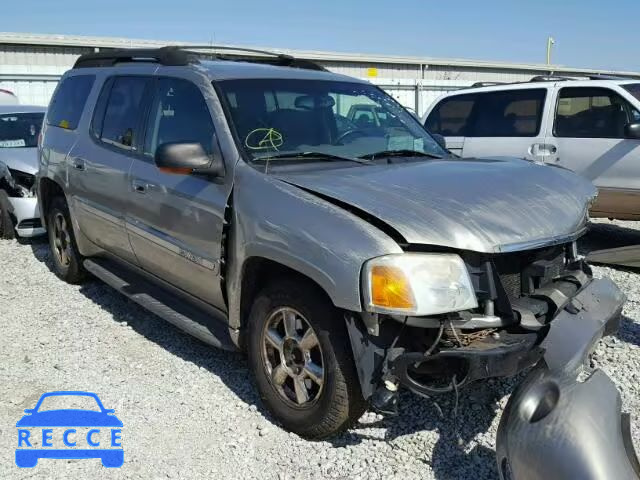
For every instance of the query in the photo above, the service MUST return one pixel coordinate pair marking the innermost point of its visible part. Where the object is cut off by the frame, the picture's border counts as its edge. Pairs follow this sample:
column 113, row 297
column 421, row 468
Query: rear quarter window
column 69, row 100
column 450, row 117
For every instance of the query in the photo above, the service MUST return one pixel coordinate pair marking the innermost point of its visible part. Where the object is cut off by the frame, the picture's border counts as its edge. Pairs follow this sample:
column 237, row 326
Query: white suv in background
column 589, row 126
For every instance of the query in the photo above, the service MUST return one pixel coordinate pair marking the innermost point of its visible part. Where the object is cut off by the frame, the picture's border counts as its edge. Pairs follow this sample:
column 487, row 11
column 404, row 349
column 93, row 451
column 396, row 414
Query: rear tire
column 311, row 387
column 67, row 261
column 7, row 228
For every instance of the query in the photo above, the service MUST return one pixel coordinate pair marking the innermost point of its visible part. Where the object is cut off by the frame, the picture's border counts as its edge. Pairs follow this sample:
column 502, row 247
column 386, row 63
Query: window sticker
column 13, row 143
column 263, row 139
column 401, row 142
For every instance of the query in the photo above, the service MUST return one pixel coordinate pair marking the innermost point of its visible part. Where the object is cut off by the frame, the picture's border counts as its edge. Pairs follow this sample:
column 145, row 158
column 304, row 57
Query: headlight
column 417, row 284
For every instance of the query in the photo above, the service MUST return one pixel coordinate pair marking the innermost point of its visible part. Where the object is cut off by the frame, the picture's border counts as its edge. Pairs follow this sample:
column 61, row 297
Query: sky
column 588, row 33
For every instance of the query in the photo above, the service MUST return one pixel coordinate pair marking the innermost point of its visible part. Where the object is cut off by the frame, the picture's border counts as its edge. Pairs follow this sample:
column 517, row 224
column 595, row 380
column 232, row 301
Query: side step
column 207, row 325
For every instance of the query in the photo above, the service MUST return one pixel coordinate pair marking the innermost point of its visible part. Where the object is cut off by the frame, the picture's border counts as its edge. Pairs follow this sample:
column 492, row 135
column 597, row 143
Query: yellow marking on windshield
column 263, row 138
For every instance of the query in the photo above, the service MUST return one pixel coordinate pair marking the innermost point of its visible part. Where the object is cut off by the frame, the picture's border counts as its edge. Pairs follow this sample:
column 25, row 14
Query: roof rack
column 486, row 84
column 550, row 78
column 609, row 77
column 178, row 55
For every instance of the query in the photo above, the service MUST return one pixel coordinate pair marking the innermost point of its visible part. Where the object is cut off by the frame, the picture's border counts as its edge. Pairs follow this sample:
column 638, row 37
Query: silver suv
column 233, row 200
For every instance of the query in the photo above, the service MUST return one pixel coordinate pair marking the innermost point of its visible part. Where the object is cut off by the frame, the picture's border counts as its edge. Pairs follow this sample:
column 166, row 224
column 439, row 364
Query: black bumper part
column 503, row 356
column 555, row 427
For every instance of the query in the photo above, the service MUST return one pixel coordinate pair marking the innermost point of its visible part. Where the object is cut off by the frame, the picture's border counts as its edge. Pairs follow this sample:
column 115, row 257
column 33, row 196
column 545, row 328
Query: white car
column 19, row 131
column 589, row 126
column 7, row 97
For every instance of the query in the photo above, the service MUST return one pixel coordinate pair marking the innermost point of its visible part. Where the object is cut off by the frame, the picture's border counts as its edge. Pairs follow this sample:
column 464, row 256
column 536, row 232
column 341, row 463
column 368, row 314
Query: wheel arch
column 258, row 271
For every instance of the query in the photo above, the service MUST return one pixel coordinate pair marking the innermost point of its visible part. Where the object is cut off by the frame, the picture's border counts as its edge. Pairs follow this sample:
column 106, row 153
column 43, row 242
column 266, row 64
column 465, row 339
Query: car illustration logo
column 46, row 432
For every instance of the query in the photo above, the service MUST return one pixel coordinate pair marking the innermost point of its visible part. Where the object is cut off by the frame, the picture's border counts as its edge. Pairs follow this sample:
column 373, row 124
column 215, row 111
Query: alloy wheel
column 292, row 357
column 61, row 239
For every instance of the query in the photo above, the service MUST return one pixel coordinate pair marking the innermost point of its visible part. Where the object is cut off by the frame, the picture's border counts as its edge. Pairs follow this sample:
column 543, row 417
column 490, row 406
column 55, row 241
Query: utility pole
column 550, row 43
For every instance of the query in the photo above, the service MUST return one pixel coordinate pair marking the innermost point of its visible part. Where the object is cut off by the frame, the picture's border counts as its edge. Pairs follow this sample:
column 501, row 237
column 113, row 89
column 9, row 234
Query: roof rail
column 177, row 55
column 486, row 84
column 549, row 78
column 107, row 58
column 609, row 77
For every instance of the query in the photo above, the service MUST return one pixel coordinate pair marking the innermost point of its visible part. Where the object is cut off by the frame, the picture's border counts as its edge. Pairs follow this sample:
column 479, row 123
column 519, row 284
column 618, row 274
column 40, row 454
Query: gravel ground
column 190, row 411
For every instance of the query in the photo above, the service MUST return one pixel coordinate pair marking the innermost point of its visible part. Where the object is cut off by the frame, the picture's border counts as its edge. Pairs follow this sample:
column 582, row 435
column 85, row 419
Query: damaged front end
column 18, row 190
column 540, row 306
column 557, row 425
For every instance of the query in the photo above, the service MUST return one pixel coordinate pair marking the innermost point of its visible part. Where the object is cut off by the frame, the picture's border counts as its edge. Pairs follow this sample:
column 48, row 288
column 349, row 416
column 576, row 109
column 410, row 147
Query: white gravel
column 190, row 411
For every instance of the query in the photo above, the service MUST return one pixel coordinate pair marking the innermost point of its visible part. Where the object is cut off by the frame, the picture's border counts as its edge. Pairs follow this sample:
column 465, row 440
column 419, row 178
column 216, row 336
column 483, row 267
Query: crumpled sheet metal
column 558, row 427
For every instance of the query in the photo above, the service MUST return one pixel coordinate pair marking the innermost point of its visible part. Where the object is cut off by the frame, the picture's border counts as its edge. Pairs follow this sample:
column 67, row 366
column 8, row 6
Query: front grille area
column 521, row 272
column 30, row 223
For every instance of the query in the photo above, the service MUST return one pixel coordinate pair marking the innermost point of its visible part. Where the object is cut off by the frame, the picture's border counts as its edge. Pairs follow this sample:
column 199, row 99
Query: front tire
column 300, row 355
column 67, row 261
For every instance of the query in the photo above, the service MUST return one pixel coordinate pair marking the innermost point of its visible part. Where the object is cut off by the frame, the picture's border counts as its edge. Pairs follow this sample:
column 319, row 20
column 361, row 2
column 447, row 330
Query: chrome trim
column 480, row 321
column 540, row 243
column 162, row 240
column 99, row 212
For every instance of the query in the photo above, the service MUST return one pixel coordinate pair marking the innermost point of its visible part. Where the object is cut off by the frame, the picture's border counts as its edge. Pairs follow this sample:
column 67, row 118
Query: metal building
column 31, row 64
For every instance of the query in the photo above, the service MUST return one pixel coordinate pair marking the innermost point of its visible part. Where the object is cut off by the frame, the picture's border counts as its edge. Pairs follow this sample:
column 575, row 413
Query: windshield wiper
column 398, row 153
column 319, row 155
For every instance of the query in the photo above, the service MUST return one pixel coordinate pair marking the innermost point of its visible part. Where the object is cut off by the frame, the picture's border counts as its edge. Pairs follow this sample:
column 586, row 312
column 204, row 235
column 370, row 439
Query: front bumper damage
column 20, row 195
column 556, row 426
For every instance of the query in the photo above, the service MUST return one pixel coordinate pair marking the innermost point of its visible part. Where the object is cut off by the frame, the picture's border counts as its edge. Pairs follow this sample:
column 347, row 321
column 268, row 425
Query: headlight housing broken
column 417, row 284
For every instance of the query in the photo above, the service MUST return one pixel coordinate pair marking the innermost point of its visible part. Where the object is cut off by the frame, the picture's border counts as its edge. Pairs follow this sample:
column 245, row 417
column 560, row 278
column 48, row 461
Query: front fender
column 282, row 223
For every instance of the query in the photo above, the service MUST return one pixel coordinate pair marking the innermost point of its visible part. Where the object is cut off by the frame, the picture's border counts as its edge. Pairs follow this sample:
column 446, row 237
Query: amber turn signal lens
column 390, row 288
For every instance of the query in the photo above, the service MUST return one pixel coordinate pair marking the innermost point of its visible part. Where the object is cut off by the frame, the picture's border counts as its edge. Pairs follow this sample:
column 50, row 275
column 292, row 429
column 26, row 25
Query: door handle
column 78, row 164
column 139, row 187
column 542, row 150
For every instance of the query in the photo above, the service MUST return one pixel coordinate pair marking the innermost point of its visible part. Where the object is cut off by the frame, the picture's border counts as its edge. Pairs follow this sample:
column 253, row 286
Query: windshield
column 343, row 119
column 20, row 129
column 633, row 89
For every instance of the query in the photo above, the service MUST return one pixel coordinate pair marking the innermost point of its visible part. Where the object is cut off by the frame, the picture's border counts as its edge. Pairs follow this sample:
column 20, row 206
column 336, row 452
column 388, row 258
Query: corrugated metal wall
column 31, row 72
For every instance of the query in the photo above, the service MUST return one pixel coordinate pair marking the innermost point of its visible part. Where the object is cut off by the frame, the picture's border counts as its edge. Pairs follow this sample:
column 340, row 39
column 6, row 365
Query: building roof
column 41, row 40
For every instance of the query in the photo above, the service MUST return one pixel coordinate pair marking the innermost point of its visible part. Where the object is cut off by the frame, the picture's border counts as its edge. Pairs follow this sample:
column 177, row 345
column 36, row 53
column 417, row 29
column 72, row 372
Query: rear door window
column 508, row 113
column 122, row 114
column 69, row 100
column 450, row 117
column 590, row 112
column 179, row 114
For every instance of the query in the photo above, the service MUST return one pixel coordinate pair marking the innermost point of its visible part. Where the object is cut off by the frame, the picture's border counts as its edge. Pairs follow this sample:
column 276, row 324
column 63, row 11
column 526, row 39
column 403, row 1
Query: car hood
column 22, row 159
column 69, row 418
column 483, row 205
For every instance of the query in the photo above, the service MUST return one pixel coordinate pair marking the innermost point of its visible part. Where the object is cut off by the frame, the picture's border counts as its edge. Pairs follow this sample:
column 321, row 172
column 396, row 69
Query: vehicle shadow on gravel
column 629, row 331
column 451, row 457
column 458, row 423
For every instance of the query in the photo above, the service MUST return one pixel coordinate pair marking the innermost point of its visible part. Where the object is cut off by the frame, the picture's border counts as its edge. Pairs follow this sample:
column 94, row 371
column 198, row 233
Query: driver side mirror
column 440, row 140
column 632, row 131
column 29, row 410
column 187, row 158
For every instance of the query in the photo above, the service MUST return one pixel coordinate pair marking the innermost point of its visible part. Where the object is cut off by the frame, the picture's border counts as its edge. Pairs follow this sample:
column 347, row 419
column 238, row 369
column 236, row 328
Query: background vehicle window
column 20, row 129
column 511, row 113
column 586, row 112
column 450, row 116
column 68, row 102
column 122, row 114
column 178, row 113
column 633, row 89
